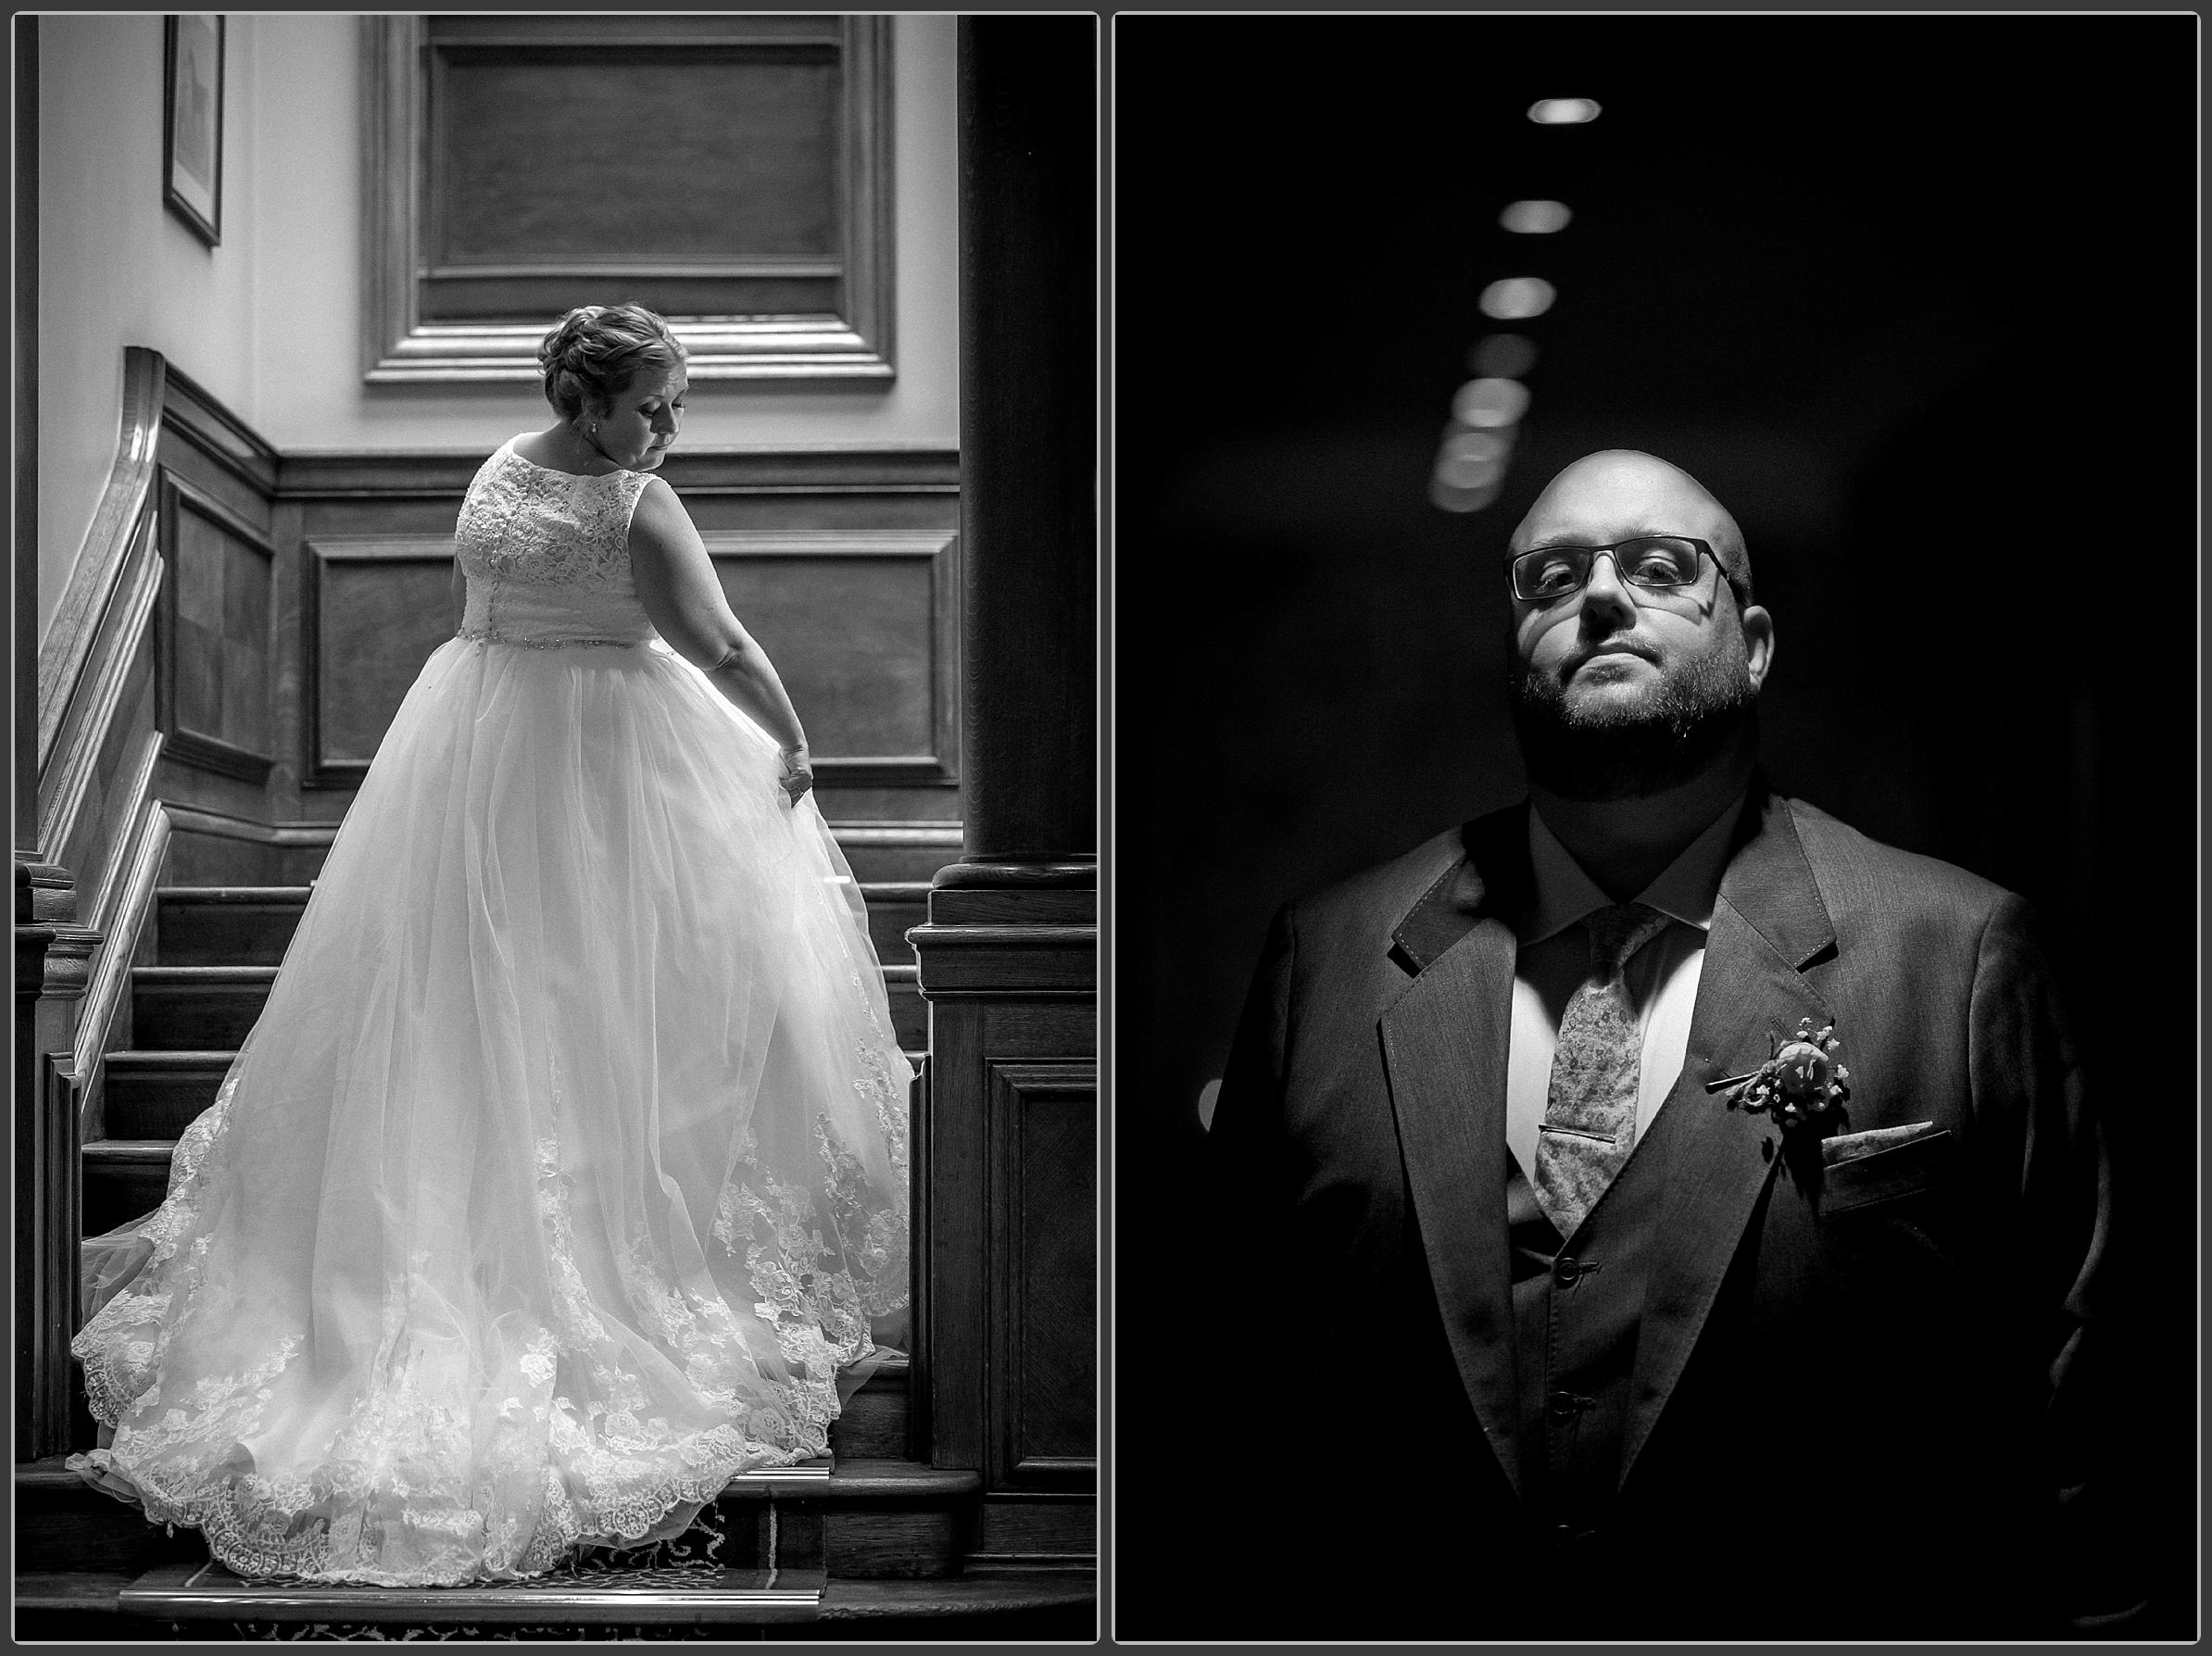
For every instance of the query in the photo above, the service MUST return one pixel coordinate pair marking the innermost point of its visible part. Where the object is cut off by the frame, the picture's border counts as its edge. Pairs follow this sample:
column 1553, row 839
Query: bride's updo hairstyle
column 595, row 350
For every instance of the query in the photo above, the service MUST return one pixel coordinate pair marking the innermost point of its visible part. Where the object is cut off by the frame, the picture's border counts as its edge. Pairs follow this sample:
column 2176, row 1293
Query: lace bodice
column 546, row 555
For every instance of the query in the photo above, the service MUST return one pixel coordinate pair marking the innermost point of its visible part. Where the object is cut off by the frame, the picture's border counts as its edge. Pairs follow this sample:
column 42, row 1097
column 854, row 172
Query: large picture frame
column 451, row 296
column 192, row 121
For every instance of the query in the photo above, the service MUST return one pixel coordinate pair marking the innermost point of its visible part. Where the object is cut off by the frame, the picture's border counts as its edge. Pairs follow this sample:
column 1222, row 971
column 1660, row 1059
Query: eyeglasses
column 1655, row 562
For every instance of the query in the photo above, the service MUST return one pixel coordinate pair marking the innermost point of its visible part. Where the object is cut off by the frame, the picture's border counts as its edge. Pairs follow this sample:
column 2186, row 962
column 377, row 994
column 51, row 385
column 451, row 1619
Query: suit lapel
column 1444, row 1044
column 1768, row 923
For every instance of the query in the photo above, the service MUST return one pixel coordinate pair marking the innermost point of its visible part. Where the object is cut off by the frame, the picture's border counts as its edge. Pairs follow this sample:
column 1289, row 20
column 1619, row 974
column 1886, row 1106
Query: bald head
column 1619, row 493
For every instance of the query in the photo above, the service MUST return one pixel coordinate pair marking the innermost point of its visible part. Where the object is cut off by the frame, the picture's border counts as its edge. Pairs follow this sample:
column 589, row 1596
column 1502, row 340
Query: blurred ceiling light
column 1476, row 447
column 1517, row 298
column 1468, row 474
column 1535, row 218
column 1488, row 403
column 1455, row 500
column 1562, row 112
column 1502, row 356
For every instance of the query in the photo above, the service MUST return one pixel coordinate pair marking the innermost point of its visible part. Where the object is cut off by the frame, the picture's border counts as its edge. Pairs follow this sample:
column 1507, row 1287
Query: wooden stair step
column 876, row 850
column 122, row 1179
column 196, row 1008
column 64, row 1525
column 909, row 1013
column 86, row 1605
column 200, row 1007
column 894, row 907
column 226, row 926
column 868, row 1519
column 157, row 1093
column 1031, row 1605
column 897, row 851
column 73, row 1606
column 252, row 925
column 872, row 1423
column 623, row 1597
column 888, row 1479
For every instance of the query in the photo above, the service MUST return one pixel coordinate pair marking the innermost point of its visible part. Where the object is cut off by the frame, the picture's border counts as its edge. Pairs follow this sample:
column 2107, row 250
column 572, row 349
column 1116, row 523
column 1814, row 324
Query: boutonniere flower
column 1800, row 1080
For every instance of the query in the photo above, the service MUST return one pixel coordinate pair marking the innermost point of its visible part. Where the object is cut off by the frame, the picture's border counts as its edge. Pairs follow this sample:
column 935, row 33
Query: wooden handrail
column 68, row 649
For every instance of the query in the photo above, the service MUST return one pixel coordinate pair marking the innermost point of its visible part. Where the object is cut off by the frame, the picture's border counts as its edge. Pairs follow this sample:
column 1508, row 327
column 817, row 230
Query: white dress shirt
column 1662, row 976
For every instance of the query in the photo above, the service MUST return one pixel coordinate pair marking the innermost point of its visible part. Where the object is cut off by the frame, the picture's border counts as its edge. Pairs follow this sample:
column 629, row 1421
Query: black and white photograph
column 556, row 1016
column 1655, row 827
column 1042, row 827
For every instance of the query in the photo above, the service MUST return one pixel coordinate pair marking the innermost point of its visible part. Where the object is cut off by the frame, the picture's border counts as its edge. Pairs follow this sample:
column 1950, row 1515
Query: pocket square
column 1882, row 1166
column 1850, row 1147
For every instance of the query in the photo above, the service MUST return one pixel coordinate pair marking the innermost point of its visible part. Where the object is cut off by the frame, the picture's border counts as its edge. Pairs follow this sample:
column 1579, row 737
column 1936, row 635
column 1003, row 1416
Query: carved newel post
column 1007, row 1275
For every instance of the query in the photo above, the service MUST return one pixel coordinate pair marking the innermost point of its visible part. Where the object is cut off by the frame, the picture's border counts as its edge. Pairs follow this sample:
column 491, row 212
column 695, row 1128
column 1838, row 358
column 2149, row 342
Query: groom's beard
column 1690, row 719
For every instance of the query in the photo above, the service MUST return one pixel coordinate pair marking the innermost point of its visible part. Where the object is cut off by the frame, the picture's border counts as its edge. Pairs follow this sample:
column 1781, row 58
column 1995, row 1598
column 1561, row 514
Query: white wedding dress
column 567, row 1166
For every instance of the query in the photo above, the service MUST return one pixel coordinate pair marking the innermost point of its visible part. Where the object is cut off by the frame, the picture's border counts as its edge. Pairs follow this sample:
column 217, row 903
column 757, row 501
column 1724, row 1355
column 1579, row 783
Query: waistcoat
column 1577, row 1308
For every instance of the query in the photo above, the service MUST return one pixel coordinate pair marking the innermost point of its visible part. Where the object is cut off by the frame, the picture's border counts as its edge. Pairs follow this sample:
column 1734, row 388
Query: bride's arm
column 684, row 602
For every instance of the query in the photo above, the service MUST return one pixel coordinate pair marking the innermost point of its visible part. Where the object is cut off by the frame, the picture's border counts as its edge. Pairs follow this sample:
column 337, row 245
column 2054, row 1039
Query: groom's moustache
column 1584, row 656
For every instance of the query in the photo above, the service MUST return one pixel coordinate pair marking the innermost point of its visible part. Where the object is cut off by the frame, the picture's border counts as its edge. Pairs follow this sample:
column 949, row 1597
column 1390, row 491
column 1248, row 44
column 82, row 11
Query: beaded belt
column 487, row 635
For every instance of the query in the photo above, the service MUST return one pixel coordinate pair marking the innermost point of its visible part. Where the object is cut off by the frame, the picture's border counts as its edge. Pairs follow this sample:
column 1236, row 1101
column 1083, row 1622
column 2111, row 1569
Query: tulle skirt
column 563, row 1172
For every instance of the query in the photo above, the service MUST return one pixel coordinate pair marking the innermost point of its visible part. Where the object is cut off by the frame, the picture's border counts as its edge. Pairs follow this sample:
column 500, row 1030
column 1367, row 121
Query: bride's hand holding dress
column 677, row 586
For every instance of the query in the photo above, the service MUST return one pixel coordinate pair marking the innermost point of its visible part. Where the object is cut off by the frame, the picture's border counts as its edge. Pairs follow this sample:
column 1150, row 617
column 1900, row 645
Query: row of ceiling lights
column 1487, row 411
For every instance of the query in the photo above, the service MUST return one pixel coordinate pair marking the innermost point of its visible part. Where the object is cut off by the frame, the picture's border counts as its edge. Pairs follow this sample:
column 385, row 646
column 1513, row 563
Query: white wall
column 117, row 267
column 269, row 321
column 310, row 395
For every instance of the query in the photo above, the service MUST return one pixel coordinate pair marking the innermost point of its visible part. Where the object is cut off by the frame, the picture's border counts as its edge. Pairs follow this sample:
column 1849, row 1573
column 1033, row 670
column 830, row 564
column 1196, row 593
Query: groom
column 1595, row 1321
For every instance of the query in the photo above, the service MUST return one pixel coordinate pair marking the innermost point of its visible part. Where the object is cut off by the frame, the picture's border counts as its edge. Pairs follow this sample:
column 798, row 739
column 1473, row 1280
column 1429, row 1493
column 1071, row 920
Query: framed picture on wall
column 192, row 122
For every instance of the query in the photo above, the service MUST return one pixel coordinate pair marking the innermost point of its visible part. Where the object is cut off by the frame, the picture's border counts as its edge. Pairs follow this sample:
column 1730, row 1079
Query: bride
column 564, row 1175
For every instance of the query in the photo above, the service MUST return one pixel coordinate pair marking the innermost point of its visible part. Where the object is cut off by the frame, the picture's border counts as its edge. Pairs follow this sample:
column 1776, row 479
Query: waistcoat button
column 1567, row 1270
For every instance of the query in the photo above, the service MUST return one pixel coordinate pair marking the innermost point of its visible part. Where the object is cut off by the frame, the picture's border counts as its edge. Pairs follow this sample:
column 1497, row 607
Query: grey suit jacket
column 1854, row 1389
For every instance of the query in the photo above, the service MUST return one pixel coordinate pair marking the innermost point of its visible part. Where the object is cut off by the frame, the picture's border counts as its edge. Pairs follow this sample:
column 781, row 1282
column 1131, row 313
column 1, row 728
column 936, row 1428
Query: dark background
column 1915, row 297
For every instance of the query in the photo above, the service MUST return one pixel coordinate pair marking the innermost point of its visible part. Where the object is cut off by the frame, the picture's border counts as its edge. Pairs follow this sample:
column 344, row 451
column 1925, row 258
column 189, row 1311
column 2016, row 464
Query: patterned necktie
column 1589, row 1114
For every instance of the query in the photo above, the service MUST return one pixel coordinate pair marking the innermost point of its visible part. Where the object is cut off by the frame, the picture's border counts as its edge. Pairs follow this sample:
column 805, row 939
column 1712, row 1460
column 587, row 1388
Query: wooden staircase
column 878, row 1547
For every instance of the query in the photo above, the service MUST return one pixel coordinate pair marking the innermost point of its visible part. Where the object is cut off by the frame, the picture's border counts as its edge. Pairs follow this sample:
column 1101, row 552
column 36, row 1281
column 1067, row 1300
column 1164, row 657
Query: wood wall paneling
column 972, row 1262
column 1035, row 1529
column 731, row 171
column 1043, row 1191
column 863, row 626
column 209, row 444
column 864, row 629
column 376, row 608
column 817, row 488
column 217, row 635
